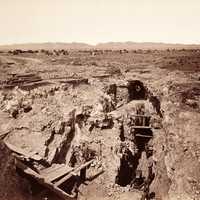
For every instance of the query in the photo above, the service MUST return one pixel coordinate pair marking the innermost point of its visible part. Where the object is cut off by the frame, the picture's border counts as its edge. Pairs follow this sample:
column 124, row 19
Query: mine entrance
column 126, row 169
column 136, row 90
column 136, row 160
column 128, row 172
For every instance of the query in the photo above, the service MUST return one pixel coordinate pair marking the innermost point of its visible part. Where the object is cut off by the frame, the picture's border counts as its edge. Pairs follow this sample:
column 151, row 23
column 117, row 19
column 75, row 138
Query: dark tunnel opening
column 136, row 90
column 128, row 172
column 126, row 169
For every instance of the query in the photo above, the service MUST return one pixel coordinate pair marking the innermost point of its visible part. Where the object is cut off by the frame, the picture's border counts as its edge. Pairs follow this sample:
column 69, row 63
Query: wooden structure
column 43, row 180
column 142, row 126
column 51, row 177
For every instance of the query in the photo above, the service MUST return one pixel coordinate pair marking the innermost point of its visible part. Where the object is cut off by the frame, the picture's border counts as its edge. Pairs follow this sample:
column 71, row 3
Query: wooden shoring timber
column 145, row 136
column 56, row 172
column 76, row 170
column 139, row 115
column 102, row 76
column 75, row 81
column 40, row 179
column 142, row 117
column 141, row 127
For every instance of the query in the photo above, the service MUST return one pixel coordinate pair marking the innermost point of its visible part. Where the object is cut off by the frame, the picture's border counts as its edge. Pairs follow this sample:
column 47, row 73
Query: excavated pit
column 34, row 109
column 129, row 162
column 136, row 149
column 130, row 120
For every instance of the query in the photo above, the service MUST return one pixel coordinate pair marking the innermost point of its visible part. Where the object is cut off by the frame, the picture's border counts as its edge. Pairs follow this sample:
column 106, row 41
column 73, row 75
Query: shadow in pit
column 128, row 164
column 128, row 173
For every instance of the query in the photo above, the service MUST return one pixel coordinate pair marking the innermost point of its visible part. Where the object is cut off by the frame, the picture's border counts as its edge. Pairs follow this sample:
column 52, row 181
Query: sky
column 97, row 21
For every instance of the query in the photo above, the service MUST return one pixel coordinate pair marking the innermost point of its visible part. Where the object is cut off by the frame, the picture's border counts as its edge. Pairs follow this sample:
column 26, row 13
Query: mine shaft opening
column 136, row 90
column 128, row 172
column 125, row 172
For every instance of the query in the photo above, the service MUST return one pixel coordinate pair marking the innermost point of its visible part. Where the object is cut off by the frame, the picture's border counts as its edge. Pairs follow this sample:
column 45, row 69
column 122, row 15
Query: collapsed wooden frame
column 51, row 177
column 53, row 182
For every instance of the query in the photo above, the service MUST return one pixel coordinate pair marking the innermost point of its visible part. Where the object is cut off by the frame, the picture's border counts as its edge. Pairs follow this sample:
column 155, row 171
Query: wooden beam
column 141, row 127
column 40, row 179
column 138, row 115
column 146, row 136
column 76, row 170
column 55, row 172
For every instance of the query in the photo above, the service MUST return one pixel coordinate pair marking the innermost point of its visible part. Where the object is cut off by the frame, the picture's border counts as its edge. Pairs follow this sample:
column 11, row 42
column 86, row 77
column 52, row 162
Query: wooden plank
column 59, row 173
column 143, row 121
column 141, row 127
column 102, row 76
column 40, row 179
column 19, row 81
column 146, row 136
column 138, row 115
column 74, row 81
column 55, row 173
column 48, row 170
column 76, row 170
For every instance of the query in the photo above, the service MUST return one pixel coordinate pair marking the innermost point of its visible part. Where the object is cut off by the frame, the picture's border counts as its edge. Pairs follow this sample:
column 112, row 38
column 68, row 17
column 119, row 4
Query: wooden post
column 62, row 180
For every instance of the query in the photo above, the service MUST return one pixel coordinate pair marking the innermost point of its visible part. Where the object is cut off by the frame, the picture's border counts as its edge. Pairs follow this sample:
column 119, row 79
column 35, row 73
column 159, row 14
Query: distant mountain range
column 108, row 45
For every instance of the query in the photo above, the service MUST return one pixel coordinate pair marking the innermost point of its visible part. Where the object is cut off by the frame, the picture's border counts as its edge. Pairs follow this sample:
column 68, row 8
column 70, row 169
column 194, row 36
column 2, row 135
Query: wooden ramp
column 43, row 181
column 54, row 176
column 51, row 177
column 55, row 172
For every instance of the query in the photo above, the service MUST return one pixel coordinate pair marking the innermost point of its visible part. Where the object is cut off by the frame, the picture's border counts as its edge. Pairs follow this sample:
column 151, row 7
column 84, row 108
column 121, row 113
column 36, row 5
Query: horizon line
column 98, row 43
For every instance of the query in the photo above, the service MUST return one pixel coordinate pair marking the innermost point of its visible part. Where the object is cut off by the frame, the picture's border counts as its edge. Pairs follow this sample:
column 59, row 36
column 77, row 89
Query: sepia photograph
column 99, row 100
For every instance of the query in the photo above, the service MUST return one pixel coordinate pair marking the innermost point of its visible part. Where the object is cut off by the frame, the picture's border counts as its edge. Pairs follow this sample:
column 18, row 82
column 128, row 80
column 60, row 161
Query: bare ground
column 172, row 76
